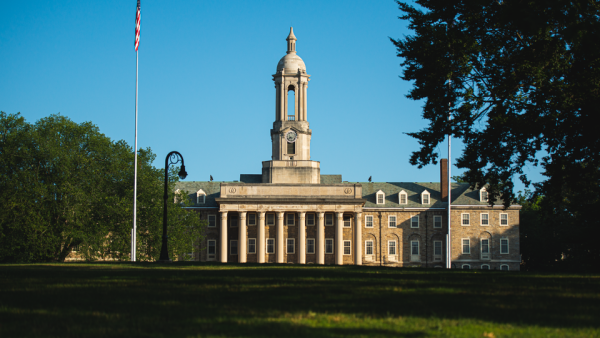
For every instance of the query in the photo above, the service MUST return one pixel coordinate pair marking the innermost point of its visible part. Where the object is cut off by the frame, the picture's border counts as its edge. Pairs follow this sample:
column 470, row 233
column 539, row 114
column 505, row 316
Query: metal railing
column 291, row 117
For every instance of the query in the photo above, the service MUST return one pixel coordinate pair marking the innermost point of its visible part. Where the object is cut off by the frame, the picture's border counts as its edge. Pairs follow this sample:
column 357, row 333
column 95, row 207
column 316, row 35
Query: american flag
column 137, row 26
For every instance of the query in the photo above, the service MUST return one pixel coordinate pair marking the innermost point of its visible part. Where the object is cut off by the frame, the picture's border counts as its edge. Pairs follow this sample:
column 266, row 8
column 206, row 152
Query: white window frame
column 332, row 247
column 487, row 220
column 312, row 217
column 348, row 245
column 435, row 218
column 395, row 221
column 481, row 193
column 425, row 197
column 468, row 219
column 250, row 245
column 488, row 267
column 272, row 246
column 503, row 214
column 215, row 222
column 411, row 221
column 367, row 248
column 481, row 248
column 287, row 246
column 288, row 218
column 415, row 257
column 392, row 245
column 251, row 216
column 208, row 255
column 506, row 265
column 462, row 243
column 400, row 195
column 308, row 240
column 468, row 267
column 441, row 249
column 269, row 215
column 367, row 221
column 200, row 193
column 377, row 195
column 347, row 221
column 507, row 246
column 237, row 247
column 326, row 219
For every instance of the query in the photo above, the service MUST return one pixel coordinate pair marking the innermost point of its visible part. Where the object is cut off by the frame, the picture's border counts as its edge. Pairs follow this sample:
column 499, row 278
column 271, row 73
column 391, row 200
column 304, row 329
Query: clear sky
column 205, row 85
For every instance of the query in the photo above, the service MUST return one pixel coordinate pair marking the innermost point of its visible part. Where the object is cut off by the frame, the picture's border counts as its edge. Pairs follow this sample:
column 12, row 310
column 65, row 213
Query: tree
column 65, row 185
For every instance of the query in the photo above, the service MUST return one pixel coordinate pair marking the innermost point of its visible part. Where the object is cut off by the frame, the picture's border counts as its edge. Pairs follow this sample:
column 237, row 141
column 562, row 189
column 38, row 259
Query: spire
column 291, row 42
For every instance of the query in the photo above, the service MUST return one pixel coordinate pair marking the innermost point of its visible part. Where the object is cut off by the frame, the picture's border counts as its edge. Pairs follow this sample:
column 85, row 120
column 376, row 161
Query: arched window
column 425, row 197
column 402, row 197
column 380, row 197
column 483, row 195
column 291, row 101
column 200, row 197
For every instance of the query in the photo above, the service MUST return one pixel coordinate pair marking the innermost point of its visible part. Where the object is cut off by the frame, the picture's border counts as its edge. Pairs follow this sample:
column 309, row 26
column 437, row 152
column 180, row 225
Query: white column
column 261, row 237
column 301, row 238
column 358, row 239
column 242, row 238
column 297, row 102
column 280, row 243
column 339, row 239
column 223, row 237
column 304, row 111
column 277, row 104
column 321, row 239
column 283, row 101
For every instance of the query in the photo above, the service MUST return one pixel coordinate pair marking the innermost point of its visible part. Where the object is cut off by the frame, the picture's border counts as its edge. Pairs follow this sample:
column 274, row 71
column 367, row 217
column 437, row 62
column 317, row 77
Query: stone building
column 291, row 213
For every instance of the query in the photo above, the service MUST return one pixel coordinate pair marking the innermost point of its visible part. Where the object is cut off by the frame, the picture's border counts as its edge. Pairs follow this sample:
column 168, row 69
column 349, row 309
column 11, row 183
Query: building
column 291, row 213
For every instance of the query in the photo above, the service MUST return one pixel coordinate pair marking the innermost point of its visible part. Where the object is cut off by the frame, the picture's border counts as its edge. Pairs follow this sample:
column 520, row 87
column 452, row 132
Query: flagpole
column 133, row 237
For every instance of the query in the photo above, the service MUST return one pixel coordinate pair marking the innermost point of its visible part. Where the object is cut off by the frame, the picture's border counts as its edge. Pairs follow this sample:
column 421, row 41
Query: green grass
column 212, row 300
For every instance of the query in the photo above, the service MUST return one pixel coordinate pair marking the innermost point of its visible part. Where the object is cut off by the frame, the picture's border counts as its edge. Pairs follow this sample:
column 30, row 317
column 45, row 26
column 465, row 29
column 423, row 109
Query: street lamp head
column 182, row 173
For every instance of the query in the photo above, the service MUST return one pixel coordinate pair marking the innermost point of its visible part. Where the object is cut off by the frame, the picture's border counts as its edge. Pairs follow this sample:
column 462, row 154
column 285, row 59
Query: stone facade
column 292, row 214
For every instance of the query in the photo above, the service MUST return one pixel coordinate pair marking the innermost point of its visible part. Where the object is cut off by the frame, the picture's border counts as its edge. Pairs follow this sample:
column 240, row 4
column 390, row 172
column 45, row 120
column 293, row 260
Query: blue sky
column 205, row 85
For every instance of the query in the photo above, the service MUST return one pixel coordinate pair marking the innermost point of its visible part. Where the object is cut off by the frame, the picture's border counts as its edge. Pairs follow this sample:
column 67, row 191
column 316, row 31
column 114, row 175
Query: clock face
column 291, row 136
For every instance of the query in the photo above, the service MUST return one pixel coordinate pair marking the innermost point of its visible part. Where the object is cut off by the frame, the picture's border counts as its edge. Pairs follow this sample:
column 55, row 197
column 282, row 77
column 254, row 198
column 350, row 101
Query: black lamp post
column 172, row 158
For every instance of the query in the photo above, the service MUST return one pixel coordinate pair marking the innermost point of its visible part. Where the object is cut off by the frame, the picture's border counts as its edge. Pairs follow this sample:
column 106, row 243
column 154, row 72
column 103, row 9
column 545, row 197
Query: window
column 212, row 249
column 270, row 245
column 504, row 245
column 291, row 148
column 437, row 221
column 466, row 246
column 465, row 219
column 466, row 267
column 233, row 221
column 328, row 219
column 251, row 245
column 310, row 219
column 414, row 222
column 391, row 248
column 425, row 197
column 291, row 245
column 380, row 197
column 328, row 245
column 212, row 221
column 414, row 248
column 347, row 247
column 233, row 247
column 251, row 219
column 437, row 248
column 392, row 221
column 347, row 221
column 368, row 248
column 485, row 267
column 310, row 245
column 290, row 219
column 402, row 197
column 504, row 219
column 485, row 249
column 200, row 197
column 270, row 219
column 485, row 219
column 368, row 221
column 504, row 267
column 483, row 195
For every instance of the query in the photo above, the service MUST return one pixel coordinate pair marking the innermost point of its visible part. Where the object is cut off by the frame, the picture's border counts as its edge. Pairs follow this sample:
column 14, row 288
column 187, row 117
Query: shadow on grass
column 192, row 299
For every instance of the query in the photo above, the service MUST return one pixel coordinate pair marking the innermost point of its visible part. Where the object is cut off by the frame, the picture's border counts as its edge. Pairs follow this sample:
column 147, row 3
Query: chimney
column 444, row 179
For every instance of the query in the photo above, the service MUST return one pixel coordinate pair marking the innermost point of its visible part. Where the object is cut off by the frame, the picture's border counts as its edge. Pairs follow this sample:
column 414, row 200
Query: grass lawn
column 213, row 300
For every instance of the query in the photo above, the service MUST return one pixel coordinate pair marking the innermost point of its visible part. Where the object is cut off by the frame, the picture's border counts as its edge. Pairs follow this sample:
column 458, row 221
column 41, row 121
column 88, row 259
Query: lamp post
column 172, row 158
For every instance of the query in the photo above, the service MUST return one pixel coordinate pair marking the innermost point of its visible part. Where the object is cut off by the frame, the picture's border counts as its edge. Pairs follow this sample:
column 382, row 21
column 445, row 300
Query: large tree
column 65, row 185
column 520, row 81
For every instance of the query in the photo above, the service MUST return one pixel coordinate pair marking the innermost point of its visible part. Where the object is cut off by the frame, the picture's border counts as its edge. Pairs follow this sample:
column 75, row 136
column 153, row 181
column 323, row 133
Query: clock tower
column 290, row 136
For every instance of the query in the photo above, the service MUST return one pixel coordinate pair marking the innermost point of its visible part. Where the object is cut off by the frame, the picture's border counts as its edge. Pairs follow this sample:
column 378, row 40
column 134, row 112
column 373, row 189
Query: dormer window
column 402, row 197
column 380, row 197
column 425, row 197
column 177, row 198
column 483, row 195
column 200, row 197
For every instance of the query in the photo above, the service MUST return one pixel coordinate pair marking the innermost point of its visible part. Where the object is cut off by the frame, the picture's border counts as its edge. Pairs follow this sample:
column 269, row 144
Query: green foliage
column 525, row 80
column 64, row 184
